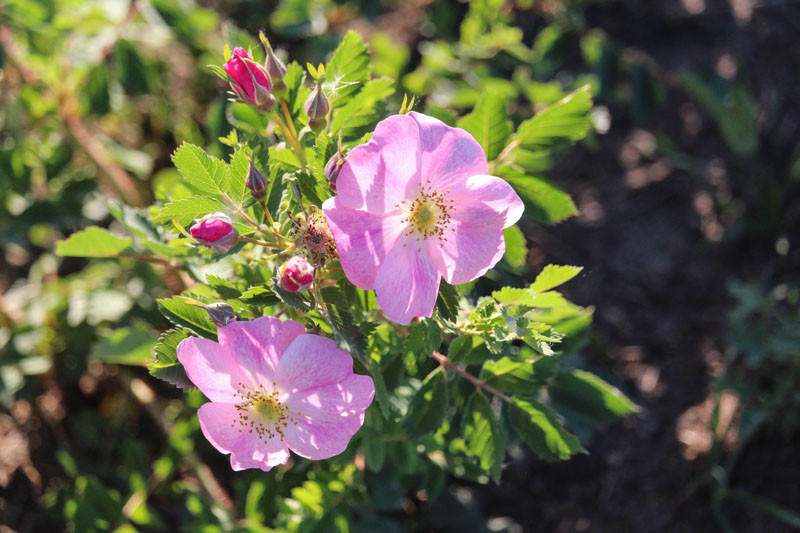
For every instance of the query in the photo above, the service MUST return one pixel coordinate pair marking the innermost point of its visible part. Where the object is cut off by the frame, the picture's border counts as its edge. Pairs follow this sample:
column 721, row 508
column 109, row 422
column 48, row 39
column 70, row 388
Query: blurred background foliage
column 683, row 207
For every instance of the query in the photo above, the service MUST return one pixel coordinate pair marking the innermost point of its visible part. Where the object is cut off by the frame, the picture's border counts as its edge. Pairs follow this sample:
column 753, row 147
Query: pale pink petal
column 259, row 344
column 211, row 368
column 321, row 440
column 312, row 361
column 448, row 155
column 218, row 424
column 491, row 191
column 382, row 173
column 362, row 240
column 473, row 246
column 329, row 403
column 407, row 283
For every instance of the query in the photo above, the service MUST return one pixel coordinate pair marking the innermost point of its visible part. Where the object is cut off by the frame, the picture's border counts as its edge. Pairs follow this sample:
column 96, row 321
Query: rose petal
column 212, row 369
column 362, row 240
column 332, row 402
column 382, row 173
column 492, row 192
column 321, row 440
column 258, row 345
column 247, row 449
column 312, row 361
column 449, row 155
column 474, row 245
column 407, row 282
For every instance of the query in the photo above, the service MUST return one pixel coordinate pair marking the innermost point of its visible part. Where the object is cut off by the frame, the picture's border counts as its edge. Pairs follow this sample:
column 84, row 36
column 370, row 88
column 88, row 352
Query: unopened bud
column 256, row 182
column 249, row 80
column 276, row 70
column 216, row 232
column 297, row 274
column 317, row 107
column 332, row 169
column 220, row 313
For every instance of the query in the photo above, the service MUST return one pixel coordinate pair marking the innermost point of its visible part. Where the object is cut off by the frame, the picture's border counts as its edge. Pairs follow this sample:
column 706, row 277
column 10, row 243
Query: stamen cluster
column 262, row 412
column 429, row 214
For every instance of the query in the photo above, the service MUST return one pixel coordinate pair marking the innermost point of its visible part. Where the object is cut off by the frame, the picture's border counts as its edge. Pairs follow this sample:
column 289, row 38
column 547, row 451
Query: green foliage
column 539, row 427
column 93, row 242
column 489, row 124
column 166, row 365
column 484, row 435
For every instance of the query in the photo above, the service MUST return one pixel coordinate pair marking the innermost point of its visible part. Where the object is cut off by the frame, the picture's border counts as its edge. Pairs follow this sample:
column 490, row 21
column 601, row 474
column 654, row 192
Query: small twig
column 151, row 259
column 447, row 363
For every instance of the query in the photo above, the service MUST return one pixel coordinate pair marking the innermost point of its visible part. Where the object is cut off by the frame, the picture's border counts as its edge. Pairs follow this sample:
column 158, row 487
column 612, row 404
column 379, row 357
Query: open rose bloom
column 274, row 388
column 416, row 204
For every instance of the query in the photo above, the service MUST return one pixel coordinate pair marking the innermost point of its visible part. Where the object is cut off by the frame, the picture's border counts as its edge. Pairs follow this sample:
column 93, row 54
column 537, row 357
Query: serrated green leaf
column 126, row 346
column 166, row 366
column 298, row 300
column 544, row 202
column 484, row 436
column 93, row 242
column 361, row 109
column 515, row 377
column 468, row 349
column 489, row 124
column 447, row 301
column 324, row 148
column 516, row 255
column 348, row 68
column 223, row 287
column 187, row 210
column 566, row 121
column 374, row 450
column 381, row 393
column 203, row 172
column 259, row 295
column 526, row 297
column 541, row 429
column 428, row 406
column 554, row 275
column 182, row 313
column 239, row 168
column 589, row 397
column 351, row 337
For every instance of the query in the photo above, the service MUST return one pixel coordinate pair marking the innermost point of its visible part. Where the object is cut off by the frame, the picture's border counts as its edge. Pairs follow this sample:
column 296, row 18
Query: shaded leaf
column 541, row 429
column 589, row 397
column 166, row 366
column 484, row 435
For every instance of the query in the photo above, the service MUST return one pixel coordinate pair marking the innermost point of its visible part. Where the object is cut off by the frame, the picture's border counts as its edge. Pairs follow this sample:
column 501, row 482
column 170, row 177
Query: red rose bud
column 297, row 274
column 332, row 169
column 256, row 182
column 251, row 81
column 216, row 232
column 317, row 107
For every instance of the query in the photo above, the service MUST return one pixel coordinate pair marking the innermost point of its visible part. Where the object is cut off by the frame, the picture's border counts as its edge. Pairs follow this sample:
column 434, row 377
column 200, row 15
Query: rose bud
column 256, row 182
column 332, row 169
column 297, row 274
column 317, row 107
column 220, row 313
column 215, row 231
column 275, row 67
column 250, row 81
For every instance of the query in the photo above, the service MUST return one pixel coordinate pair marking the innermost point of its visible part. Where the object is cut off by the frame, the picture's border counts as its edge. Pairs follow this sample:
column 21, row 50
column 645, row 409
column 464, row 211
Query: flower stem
column 447, row 363
column 256, row 241
column 291, row 139
column 289, row 120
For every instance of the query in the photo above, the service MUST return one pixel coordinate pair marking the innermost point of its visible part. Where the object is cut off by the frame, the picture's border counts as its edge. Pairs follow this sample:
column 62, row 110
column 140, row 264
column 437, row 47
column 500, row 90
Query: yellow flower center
column 262, row 413
column 429, row 214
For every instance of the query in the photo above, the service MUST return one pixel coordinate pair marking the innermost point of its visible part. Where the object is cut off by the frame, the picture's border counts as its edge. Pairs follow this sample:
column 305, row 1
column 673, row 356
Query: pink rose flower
column 215, row 231
column 274, row 388
column 297, row 275
column 414, row 205
column 250, row 80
